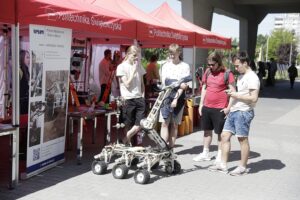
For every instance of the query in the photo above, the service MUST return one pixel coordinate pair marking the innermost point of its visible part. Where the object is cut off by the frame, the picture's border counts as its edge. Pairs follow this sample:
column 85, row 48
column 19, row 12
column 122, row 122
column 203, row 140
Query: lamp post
column 267, row 49
column 291, row 49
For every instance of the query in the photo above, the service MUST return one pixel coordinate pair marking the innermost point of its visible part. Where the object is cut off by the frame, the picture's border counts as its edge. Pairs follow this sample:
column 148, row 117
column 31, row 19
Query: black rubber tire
column 177, row 167
column 168, row 168
column 142, row 176
column 119, row 171
column 99, row 167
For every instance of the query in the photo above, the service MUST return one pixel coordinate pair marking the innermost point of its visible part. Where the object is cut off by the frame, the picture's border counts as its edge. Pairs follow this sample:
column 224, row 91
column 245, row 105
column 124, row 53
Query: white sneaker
column 218, row 168
column 217, row 161
column 202, row 157
column 239, row 171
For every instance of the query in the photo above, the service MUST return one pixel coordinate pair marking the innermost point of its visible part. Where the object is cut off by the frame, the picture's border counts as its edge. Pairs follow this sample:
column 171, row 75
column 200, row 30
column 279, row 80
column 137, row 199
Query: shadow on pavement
column 236, row 155
column 160, row 174
column 197, row 150
column 266, row 164
column 281, row 90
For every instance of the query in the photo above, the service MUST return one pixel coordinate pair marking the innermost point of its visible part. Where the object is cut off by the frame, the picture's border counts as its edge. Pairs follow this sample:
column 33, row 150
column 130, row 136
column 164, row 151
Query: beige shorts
column 177, row 119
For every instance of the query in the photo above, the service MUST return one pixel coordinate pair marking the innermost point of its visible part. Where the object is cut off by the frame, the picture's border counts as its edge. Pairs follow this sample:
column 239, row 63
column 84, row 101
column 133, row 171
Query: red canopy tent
column 77, row 15
column 7, row 11
column 149, row 29
column 204, row 38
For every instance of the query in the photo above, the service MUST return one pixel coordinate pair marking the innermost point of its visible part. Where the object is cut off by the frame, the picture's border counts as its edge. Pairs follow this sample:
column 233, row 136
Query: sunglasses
column 211, row 64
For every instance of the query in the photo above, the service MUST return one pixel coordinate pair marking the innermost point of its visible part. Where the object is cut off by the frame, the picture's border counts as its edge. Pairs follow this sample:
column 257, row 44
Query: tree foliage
column 279, row 42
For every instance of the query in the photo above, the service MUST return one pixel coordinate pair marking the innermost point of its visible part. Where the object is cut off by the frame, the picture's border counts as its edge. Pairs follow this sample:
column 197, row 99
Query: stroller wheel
column 99, row 167
column 141, row 176
column 120, row 171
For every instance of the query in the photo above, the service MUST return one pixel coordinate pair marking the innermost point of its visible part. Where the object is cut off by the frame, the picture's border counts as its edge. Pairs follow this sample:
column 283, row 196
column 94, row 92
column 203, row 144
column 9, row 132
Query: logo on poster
column 39, row 32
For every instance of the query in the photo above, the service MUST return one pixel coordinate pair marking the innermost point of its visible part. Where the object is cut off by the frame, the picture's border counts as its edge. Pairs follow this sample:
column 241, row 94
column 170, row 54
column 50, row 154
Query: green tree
column 261, row 45
column 161, row 53
column 279, row 37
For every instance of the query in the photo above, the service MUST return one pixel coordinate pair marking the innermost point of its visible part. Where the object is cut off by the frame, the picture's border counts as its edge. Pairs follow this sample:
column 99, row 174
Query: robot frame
column 145, row 158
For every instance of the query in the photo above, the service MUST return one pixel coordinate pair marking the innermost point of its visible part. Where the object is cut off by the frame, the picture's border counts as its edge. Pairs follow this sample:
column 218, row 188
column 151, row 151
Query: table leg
column 108, row 128
column 71, row 131
column 14, row 170
column 79, row 142
column 95, row 130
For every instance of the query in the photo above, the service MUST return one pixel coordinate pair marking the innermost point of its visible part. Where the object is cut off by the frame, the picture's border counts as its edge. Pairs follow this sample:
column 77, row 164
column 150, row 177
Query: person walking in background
column 24, row 81
column 130, row 74
column 240, row 116
column 273, row 70
column 105, row 68
column 214, row 103
column 261, row 73
column 293, row 73
column 115, row 86
column 152, row 75
column 172, row 110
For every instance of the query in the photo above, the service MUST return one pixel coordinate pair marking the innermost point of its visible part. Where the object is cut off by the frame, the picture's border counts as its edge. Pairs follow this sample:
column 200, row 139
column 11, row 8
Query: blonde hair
column 132, row 50
column 176, row 48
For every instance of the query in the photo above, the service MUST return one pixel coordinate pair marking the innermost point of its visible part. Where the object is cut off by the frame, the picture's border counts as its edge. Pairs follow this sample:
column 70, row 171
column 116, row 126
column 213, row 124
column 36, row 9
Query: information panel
column 50, row 50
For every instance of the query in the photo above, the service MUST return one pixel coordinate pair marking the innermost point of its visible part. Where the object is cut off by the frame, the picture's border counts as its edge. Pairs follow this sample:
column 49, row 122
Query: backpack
column 226, row 76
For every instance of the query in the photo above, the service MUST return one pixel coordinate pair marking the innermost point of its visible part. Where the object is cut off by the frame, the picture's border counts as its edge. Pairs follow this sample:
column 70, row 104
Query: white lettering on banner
column 214, row 41
column 113, row 26
column 167, row 34
column 82, row 19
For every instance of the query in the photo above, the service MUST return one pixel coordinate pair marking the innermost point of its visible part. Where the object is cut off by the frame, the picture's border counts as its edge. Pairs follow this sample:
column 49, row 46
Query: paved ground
column 274, row 163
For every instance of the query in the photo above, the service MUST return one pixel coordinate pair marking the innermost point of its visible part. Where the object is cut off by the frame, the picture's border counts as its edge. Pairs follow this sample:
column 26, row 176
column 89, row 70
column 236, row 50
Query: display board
column 50, row 50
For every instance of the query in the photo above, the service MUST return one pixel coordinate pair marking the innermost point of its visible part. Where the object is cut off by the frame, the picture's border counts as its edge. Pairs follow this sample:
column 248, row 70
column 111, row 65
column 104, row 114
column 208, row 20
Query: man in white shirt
column 104, row 72
column 130, row 74
column 240, row 116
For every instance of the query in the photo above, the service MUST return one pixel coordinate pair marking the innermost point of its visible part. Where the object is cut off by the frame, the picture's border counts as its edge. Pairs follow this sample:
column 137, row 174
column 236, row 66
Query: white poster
column 50, row 50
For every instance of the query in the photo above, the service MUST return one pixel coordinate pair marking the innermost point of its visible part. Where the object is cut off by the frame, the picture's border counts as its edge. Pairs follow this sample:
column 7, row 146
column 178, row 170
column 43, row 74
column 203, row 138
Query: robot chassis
column 145, row 158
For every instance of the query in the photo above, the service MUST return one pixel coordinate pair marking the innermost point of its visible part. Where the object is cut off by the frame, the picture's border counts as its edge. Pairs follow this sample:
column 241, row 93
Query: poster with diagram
column 50, row 50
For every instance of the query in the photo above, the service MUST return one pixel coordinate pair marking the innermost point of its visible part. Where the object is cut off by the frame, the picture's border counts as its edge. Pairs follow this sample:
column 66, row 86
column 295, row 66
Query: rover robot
column 145, row 158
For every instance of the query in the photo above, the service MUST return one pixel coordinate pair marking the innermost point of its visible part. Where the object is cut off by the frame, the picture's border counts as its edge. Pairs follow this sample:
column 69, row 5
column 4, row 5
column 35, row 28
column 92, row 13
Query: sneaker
column 218, row 168
column 217, row 162
column 239, row 171
column 202, row 157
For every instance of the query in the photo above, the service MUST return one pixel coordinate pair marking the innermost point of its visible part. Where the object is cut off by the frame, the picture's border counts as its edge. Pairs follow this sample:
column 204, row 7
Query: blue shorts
column 238, row 123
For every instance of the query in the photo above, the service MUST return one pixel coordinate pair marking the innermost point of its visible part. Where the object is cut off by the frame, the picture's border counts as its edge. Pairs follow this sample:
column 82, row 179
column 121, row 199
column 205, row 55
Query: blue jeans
column 238, row 123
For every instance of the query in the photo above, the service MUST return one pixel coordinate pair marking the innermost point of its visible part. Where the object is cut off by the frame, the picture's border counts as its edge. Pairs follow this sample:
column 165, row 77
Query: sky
column 222, row 25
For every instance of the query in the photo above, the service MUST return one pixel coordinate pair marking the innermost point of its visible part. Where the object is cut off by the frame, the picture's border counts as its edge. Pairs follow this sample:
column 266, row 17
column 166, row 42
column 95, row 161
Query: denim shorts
column 238, row 123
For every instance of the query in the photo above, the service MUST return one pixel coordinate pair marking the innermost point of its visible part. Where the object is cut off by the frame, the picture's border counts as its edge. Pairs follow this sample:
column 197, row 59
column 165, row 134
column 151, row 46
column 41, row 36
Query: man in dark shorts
column 214, row 103
column 130, row 74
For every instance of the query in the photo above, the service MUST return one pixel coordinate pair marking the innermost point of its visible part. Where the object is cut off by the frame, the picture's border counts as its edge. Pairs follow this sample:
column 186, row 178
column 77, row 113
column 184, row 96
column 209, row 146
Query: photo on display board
column 56, row 101
column 36, row 73
column 37, row 110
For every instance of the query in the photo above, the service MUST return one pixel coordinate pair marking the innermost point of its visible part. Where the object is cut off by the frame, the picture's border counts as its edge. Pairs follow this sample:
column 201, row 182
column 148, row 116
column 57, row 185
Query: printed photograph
column 37, row 111
column 36, row 73
column 56, row 101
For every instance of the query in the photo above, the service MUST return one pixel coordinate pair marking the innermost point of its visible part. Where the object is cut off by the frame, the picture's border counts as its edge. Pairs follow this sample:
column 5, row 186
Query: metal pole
column 193, row 70
column 15, row 92
column 267, row 49
column 291, row 49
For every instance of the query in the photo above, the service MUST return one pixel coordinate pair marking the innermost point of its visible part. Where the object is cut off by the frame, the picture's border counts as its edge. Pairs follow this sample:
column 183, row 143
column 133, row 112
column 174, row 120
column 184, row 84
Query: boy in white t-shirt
column 132, row 89
column 240, row 116
column 172, row 109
